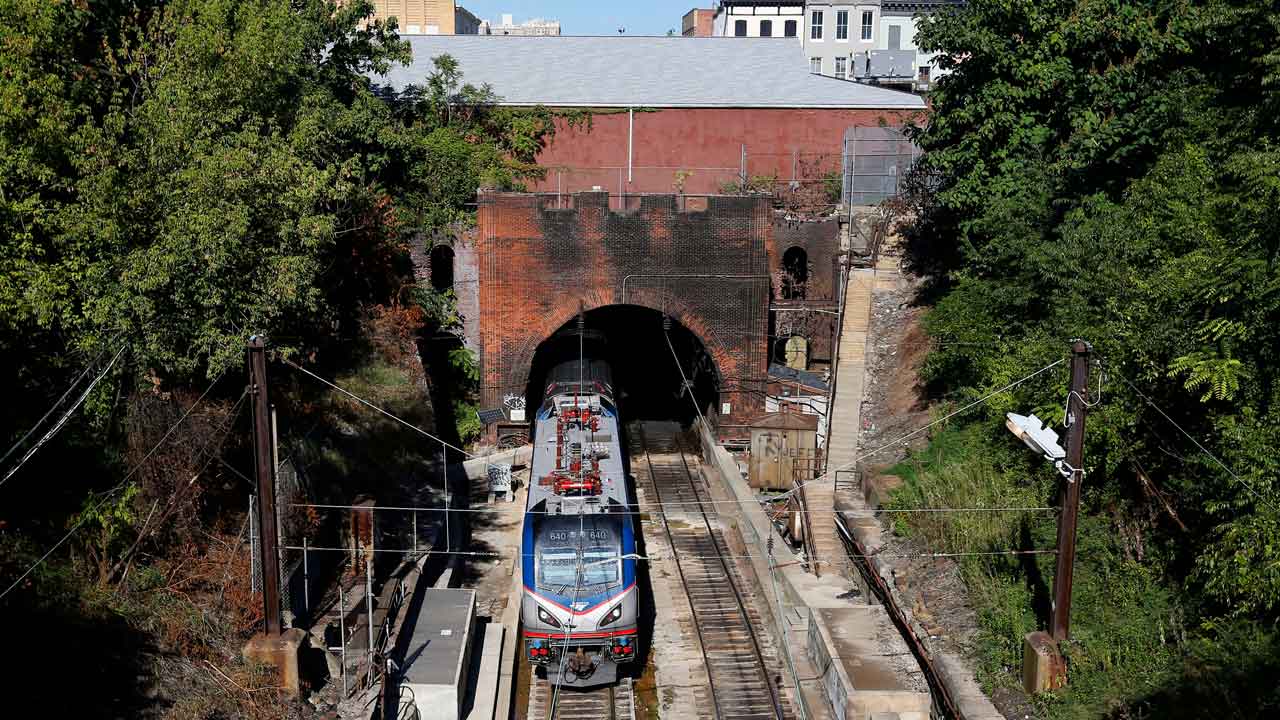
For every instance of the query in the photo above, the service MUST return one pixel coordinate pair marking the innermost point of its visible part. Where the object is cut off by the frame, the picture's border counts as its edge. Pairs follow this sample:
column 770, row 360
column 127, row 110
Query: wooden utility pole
column 264, row 460
column 1077, row 409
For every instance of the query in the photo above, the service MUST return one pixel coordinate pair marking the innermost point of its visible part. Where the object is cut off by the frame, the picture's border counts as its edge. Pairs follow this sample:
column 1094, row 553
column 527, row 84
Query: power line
column 84, row 515
column 67, row 393
column 656, row 513
column 61, row 421
column 1197, row 443
column 644, row 558
column 919, row 430
column 362, row 401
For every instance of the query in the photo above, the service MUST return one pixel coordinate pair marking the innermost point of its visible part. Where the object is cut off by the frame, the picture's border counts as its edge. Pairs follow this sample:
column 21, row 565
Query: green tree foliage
column 1109, row 170
column 195, row 171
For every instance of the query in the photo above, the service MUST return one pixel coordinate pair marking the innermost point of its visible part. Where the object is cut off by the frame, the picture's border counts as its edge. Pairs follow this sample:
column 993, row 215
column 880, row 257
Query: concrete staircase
column 842, row 444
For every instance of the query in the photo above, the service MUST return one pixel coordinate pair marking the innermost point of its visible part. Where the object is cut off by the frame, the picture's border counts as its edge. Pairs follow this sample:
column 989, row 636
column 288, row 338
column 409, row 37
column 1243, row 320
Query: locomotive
column 579, row 604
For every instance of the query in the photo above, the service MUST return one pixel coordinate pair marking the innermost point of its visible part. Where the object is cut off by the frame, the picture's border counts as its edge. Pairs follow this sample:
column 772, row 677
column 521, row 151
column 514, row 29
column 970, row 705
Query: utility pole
column 264, row 461
column 1077, row 409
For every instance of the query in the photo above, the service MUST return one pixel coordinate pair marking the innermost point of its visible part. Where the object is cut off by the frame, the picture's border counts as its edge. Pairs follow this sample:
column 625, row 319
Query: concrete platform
column 881, row 670
column 438, row 655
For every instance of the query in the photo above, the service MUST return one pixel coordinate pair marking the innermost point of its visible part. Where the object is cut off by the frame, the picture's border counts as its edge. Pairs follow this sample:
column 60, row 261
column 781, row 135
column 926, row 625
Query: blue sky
column 584, row 17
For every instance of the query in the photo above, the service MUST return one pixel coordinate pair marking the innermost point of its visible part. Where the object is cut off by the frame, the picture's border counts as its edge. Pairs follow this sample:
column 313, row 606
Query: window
column 924, row 73
column 840, row 66
column 815, row 66
column 766, row 28
column 895, row 37
column 558, row 566
column 599, row 566
column 842, row 24
column 740, row 28
column 866, row 24
column 789, row 29
column 815, row 25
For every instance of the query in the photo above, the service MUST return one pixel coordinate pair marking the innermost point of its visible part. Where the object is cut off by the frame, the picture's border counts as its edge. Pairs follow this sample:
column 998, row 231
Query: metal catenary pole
column 263, row 460
column 1077, row 409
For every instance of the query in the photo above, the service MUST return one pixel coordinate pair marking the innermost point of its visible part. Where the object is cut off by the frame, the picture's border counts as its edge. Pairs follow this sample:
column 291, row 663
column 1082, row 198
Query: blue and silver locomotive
column 579, row 605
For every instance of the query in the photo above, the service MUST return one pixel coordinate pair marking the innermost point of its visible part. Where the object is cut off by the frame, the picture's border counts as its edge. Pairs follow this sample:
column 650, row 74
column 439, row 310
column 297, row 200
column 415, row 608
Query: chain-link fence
column 876, row 162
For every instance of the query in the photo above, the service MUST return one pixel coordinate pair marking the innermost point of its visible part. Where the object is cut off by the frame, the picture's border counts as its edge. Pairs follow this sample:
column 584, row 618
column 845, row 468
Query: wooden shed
column 784, row 450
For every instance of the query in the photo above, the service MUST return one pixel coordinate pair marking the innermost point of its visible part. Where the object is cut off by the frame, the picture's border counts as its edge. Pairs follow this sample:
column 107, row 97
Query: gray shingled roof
column 643, row 71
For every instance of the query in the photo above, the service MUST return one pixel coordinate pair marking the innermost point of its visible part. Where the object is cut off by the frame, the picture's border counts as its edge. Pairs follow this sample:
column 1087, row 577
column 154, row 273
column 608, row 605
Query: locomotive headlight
column 612, row 616
column 548, row 618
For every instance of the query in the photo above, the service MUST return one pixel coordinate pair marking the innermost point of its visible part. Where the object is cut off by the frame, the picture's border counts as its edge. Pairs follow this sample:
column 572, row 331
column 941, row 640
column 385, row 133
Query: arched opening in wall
column 441, row 262
column 647, row 382
column 790, row 350
column 795, row 273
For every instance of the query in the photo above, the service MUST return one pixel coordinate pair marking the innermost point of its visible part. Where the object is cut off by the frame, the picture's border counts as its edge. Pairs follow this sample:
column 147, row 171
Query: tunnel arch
column 441, row 265
column 795, row 273
column 519, row 371
column 649, row 375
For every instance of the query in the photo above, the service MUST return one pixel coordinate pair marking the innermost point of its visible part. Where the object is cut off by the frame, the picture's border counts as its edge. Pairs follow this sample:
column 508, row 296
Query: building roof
column 804, row 377
column 604, row 71
column 923, row 6
column 785, row 421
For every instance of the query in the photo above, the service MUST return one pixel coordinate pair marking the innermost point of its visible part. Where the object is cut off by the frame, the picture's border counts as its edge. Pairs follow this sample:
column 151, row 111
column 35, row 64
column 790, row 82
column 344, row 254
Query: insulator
column 666, row 323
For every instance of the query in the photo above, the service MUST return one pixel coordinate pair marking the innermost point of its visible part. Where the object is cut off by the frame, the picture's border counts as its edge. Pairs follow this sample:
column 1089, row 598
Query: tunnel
column 648, row 383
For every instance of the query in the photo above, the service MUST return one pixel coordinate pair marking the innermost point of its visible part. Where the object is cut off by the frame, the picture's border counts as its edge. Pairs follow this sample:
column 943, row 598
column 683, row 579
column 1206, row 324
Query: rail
column 940, row 692
column 699, row 620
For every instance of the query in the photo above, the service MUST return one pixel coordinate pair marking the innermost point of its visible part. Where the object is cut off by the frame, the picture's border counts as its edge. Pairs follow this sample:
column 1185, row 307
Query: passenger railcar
column 579, row 605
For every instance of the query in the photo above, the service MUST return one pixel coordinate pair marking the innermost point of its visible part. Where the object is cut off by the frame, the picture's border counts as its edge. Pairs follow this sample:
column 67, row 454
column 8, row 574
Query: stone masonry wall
column 540, row 262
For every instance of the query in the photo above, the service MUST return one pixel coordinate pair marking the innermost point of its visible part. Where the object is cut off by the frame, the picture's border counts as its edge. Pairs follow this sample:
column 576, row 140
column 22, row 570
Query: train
column 579, row 606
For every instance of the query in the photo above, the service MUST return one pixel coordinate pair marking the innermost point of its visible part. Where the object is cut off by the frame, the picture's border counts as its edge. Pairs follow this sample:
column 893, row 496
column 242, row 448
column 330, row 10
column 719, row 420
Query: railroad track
column 610, row 702
column 739, row 677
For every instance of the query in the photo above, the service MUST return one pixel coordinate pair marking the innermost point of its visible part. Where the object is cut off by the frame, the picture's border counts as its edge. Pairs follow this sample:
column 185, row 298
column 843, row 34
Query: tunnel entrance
column 648, row 383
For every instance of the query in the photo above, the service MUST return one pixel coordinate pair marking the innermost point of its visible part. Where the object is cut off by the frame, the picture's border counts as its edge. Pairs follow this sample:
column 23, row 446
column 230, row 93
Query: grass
column 1127, row 628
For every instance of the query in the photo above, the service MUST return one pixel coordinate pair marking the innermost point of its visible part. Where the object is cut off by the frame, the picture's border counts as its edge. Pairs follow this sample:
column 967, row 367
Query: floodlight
column 1032, row 432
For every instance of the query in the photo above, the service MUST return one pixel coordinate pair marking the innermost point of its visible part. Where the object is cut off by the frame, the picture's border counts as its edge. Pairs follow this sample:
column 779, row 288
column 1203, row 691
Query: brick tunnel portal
column 648, row 382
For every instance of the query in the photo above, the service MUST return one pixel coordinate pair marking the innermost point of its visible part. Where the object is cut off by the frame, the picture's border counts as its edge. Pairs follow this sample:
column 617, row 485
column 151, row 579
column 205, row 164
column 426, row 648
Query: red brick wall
column 538, row 265
column 706, row 141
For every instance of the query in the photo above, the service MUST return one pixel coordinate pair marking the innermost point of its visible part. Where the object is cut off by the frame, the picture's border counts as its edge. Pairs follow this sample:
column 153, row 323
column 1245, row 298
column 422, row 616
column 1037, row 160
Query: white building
column 837, row 33
column 750, row 18
column 536, row 26
column 869, row 41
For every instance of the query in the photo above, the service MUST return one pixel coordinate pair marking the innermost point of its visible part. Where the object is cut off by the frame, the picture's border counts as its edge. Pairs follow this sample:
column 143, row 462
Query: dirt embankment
column 895, row 405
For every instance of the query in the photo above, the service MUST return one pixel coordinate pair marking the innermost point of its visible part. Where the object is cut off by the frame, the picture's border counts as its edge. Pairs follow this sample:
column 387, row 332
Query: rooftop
column 605, row 71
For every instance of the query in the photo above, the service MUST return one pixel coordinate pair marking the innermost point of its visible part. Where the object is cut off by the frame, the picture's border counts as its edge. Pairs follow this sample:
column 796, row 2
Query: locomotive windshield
column 570, row 551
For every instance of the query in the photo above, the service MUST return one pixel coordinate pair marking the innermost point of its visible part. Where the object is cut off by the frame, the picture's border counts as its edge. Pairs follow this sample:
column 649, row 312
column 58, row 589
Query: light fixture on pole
column 1044, row 667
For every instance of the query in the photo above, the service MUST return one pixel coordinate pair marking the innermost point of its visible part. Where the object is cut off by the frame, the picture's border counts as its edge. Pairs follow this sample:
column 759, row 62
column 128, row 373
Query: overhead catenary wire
column 102, row 499
column 53, row 408
column 62, row 421
column 645, row 558
column 376, row 407
column 828, row 473
column 651, row 513
column 1252, row 491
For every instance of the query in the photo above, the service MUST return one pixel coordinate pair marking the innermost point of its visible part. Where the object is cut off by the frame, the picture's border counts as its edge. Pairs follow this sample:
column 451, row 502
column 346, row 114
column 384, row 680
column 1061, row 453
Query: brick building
column 682, row 114
column 428, row 17
column 697, row 22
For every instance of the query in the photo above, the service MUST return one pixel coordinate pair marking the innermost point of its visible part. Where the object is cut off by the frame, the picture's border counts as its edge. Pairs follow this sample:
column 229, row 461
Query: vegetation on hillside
column 1110, row 170
column 176, row 176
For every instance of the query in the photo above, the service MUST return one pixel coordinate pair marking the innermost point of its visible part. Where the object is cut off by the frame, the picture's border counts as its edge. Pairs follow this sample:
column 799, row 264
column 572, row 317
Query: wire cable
column 61, row 421
column 651, row 513
column 362, row 401
column 746, row 556
column 67, row 393
column 828, row 473
column 84, row 515
column 1198, row 444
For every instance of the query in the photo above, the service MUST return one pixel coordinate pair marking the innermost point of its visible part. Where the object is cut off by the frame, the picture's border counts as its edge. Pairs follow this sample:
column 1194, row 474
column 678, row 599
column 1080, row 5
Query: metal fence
column 875, row 164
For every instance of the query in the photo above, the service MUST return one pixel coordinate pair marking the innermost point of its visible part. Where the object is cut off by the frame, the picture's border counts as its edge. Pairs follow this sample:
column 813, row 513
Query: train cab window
column 599, row 566
column 557, row 566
